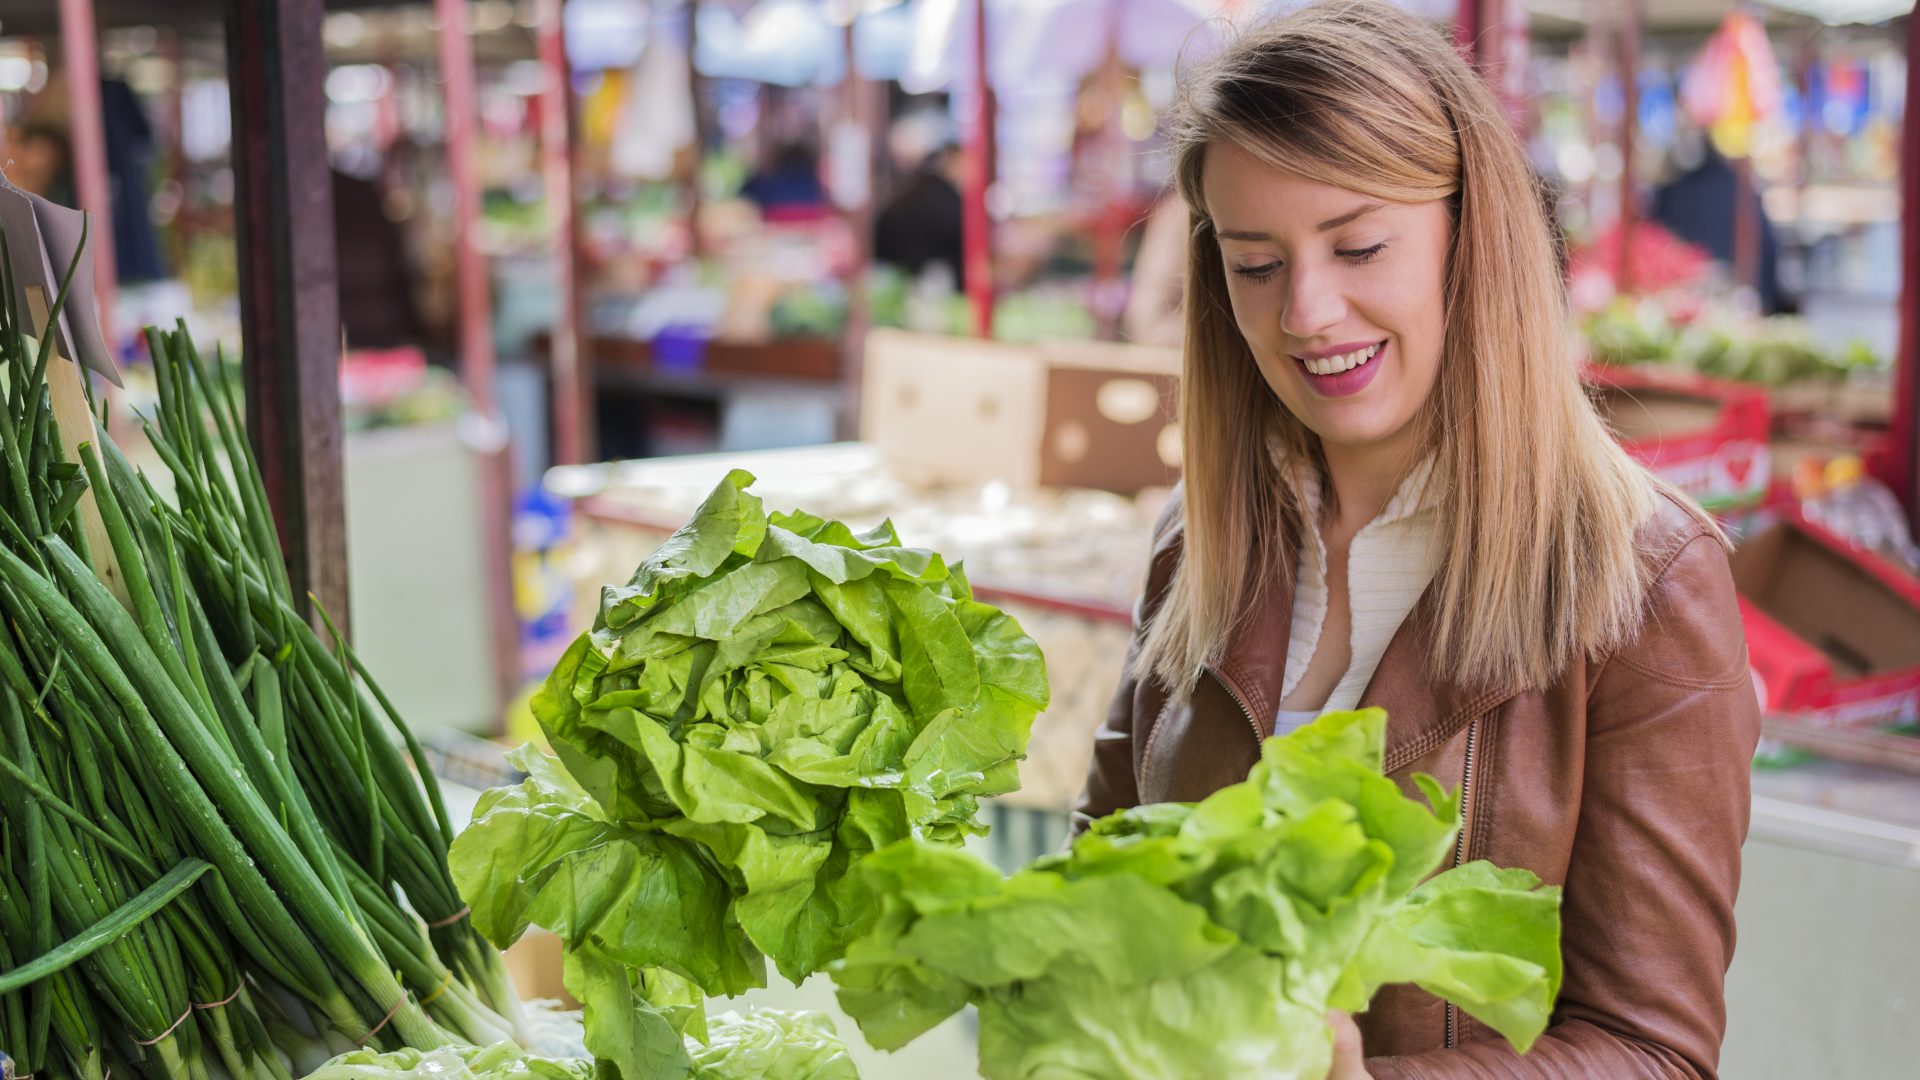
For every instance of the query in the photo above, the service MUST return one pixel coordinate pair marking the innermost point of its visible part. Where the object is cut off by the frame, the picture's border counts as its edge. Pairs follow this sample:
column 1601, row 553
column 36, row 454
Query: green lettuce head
column 769, row 698
column 1209, row 939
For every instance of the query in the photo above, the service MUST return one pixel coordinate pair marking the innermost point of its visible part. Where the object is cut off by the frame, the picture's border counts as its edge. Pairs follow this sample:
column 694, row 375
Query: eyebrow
column 1331, row 223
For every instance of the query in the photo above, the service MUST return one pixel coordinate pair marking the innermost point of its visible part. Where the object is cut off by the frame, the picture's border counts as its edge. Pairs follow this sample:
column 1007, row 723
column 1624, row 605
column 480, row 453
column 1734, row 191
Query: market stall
column 232, row 845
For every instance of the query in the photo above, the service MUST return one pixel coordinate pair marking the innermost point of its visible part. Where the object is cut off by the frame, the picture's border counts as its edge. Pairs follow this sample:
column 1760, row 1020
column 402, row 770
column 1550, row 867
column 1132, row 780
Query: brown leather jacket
column 1626, row 782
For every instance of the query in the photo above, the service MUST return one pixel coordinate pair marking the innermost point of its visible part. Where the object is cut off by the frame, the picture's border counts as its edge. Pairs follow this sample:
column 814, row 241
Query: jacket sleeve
column 1647, row 913
column 1111, row 783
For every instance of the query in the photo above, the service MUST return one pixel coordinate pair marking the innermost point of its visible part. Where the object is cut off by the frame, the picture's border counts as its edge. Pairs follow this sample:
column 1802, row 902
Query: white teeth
column 1334, row 365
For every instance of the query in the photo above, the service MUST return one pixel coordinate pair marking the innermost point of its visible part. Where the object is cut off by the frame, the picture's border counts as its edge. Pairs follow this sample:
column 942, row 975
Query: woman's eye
column 1258, row 273
column 1363, row 254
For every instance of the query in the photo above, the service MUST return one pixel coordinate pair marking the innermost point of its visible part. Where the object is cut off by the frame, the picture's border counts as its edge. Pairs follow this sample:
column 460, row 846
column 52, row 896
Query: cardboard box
column 1833, row 634
column 1707, row 436
column 1112, row 417
column 534, row 964
column 1799, row 437
column 1061, row 414
column 1867, row 401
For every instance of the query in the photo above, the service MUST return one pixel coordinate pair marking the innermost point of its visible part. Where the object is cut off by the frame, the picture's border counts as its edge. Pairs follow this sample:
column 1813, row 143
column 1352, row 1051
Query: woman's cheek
column 1249, row 318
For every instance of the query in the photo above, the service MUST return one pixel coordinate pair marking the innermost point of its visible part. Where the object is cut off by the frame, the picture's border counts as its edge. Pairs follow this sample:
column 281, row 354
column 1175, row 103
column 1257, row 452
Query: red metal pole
column 1903, row 463
column 1508, row 50
column 476, row 338
column 556, row 171
column 1492, row 35
column 1806, row 53
column 975, row 226
column 1746, row 224
column 858, row 110
column 476, row 335
column 1630, row 15
column 80, row 54
column 1110, row 228
column 1466, row 26
column 176, row 156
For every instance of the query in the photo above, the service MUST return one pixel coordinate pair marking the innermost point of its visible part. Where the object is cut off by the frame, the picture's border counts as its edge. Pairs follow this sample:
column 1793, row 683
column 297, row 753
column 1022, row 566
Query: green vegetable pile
column 766, row 1043
column 768, row 699
column 810, row 310
column 209, row 822
column 497, row 1062
column 1047, row 312
column 1775, row 351
column 1209, row 939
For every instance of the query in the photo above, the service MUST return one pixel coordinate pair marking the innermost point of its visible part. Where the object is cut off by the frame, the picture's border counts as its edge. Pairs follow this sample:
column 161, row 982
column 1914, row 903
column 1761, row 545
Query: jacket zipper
column 1258, row 735
column 1460, row 845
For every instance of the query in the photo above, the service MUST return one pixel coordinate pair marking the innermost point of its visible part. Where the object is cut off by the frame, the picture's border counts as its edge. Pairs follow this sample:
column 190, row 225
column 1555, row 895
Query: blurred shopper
column 377, row 306
column 1398, row 494
column 129, row 138
column 39, row 160
column 789, row 184
column 920, row 227
column 1699, row 204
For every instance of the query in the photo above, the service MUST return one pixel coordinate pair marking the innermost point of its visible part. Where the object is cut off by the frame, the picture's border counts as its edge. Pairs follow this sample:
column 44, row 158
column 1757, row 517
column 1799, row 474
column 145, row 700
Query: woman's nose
column 1313, row 306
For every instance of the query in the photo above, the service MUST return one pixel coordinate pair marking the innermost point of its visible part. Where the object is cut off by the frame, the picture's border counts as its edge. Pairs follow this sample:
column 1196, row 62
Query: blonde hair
column 1540, row 504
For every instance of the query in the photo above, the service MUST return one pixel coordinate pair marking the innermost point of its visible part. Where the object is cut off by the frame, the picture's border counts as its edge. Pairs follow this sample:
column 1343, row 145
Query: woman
column 1397, row 494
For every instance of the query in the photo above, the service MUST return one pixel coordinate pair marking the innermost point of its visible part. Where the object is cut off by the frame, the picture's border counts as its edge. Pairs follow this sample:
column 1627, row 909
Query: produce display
column 769, row 698
column 1773, row 351
column 1209, row 939
column 1048, row 311
column 209, row 824
column 1658, row 260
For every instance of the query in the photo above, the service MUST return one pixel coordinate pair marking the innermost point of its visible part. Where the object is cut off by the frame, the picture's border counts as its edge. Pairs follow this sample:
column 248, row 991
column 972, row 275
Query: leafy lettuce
column 1209, row 939
column 767, row 700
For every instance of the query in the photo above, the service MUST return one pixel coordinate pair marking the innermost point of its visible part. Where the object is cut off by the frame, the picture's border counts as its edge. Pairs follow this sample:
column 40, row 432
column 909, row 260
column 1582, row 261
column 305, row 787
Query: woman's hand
column 1349, row 1061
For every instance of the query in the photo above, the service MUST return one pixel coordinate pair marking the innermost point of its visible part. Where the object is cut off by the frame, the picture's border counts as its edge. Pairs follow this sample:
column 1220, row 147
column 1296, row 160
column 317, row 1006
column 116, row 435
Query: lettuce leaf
column 772, row 1043
column 634, row 1044
column 1209, row 939
column 539, row 853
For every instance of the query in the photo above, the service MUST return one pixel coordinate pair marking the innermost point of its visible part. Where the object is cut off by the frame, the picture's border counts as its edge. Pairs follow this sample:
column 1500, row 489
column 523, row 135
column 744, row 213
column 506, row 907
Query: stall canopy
column 1844, row 12
column 801, row 42
column 929, row 44
column 1071, row 39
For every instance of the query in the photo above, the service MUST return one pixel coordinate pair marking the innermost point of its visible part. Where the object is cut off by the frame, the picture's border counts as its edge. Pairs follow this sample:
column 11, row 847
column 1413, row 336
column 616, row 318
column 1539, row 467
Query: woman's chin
column 1356, row 429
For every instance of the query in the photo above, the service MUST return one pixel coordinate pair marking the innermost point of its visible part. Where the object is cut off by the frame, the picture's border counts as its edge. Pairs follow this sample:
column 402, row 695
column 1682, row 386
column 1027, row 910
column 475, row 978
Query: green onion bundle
column 215, row 859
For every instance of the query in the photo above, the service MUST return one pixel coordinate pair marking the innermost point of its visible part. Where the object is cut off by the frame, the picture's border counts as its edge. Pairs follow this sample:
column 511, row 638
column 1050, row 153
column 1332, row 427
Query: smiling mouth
column 1335, row 365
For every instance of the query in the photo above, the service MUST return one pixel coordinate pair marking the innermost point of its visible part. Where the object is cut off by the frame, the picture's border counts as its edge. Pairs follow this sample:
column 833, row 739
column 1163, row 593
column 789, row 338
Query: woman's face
column 1339, row 295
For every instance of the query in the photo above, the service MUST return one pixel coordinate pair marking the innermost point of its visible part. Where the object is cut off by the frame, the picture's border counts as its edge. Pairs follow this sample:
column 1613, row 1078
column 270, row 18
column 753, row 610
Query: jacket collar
column 1422, row 711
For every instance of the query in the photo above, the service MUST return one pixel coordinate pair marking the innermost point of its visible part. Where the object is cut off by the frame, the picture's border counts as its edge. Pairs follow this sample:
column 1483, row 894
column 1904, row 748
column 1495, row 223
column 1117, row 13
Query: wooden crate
column 1060, row 414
